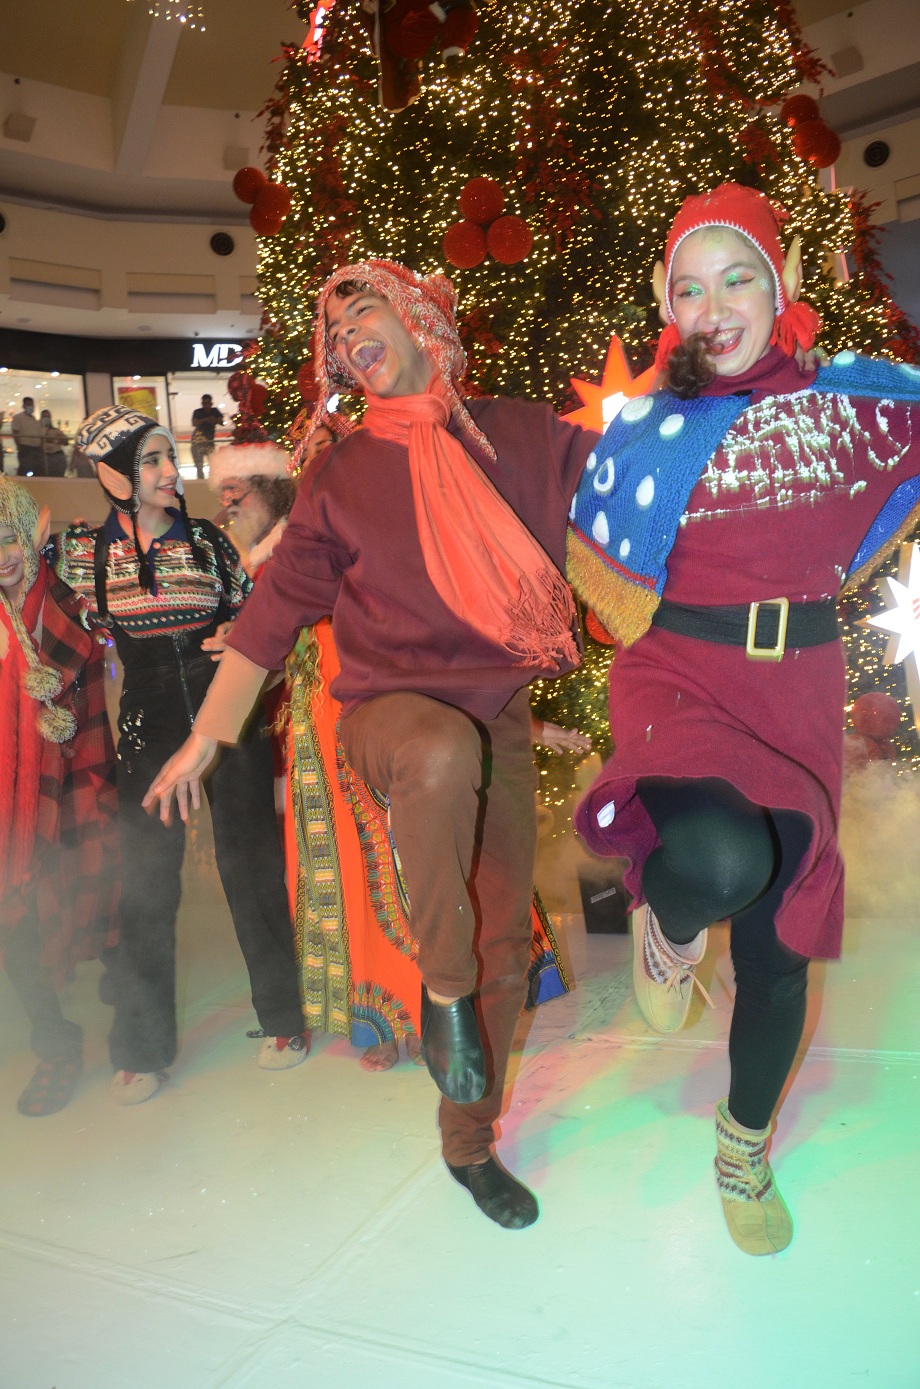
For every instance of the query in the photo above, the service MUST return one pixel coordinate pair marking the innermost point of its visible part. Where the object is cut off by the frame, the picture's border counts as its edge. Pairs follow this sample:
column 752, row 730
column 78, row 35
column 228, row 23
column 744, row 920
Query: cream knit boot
column 755, row 1213
column 664, row 974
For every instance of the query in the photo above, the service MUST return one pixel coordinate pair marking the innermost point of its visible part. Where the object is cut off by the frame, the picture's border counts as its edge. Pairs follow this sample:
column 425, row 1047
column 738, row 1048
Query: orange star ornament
column 603, row 403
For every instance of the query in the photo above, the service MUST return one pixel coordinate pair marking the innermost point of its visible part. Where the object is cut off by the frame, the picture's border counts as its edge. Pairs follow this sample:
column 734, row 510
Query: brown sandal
column 52, row 1086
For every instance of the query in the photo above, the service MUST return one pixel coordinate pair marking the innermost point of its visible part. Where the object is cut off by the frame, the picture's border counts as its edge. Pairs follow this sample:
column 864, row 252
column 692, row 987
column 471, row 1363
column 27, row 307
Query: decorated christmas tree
column 540, row 166
column 591, row 124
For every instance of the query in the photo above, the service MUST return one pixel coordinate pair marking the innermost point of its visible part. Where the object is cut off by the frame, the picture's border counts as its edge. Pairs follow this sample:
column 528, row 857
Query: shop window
column 195, row 423
column 46, row 444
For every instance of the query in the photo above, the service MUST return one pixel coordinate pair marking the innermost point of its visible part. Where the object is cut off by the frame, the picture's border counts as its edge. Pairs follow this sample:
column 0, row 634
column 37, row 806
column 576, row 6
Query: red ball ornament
column 816, row 142
column 509, row 240
column 258, row 398
column 799, row 108
column 275, row 198
column 464, row 245
column 482, row 200
column 264, row 223
column 829, row 153
column 250, row 395
column 876, row 715
column 247, row 183
column 306, row 384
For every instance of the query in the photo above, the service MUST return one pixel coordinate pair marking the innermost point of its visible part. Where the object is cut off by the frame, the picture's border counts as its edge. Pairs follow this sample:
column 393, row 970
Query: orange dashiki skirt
column 348, row 900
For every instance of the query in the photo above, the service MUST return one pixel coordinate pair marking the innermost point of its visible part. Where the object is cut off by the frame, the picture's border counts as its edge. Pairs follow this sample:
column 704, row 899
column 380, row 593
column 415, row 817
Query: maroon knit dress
column 780, row 510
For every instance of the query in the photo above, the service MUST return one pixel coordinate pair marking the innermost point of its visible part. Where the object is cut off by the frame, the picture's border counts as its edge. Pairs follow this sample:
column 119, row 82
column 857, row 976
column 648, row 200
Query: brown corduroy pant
column 463, row 817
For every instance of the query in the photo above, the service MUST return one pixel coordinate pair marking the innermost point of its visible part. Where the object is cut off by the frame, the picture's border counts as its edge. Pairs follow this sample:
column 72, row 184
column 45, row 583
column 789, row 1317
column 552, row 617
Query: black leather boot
column 497, row 1194
column 452, row 1048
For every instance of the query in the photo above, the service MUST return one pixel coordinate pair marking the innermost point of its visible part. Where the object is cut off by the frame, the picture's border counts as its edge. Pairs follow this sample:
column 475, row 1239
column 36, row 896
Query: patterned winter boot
column 755, row 1213
column 663, row 974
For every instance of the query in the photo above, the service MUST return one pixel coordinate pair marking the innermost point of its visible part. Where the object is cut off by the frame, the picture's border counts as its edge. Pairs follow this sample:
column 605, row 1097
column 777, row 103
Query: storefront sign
column 218, row 356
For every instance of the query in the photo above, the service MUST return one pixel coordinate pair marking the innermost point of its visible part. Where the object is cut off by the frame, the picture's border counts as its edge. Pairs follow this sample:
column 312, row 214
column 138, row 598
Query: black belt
column 764, row 629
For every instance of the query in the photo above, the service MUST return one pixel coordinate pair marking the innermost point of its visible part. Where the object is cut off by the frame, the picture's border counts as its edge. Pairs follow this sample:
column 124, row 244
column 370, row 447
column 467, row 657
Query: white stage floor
column 251, row 1230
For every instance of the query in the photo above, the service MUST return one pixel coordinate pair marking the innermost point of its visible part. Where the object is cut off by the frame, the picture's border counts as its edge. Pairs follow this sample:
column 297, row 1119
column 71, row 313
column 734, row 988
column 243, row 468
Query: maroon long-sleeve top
column 352, row 550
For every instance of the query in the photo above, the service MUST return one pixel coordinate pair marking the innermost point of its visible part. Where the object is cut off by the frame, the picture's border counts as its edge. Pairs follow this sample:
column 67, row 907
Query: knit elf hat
column 43, row 683
column 19, row 511
column 426, row 305
column 750, row 213
column 116, row 436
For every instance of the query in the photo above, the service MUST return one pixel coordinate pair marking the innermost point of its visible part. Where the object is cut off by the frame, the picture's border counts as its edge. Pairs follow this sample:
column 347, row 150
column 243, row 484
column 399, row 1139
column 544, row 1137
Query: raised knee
column 441, row 759
column 734, row 863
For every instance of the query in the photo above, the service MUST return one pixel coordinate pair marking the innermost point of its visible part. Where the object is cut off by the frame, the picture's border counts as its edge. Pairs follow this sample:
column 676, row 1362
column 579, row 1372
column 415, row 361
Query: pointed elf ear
column 114, row 482
column 42, row 529
column 792, row 271
column 659, row 289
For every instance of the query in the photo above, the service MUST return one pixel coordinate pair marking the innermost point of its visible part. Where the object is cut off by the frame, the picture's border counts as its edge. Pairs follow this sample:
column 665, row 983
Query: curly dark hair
column 278, row 494
column 689, row 367
column 349, row 287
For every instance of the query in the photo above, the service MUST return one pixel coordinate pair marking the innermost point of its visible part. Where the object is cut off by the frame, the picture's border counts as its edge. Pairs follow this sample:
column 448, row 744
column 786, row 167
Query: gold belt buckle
column 767, row 653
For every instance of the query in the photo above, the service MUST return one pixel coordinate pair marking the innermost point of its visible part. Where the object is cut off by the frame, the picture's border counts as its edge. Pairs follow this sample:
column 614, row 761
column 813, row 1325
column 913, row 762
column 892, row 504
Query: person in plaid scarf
column 58, row 830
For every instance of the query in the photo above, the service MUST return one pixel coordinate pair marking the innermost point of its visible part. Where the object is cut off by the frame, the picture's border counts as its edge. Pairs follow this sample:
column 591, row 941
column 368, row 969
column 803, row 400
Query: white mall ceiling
column 132, row 120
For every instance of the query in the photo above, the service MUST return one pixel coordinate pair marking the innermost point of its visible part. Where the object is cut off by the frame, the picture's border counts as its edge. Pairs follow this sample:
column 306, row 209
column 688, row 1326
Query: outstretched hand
column 550, row 735
column 182, row 774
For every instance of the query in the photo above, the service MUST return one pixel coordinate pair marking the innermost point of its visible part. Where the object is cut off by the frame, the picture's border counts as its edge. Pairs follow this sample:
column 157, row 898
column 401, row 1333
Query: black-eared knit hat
column 116, row 436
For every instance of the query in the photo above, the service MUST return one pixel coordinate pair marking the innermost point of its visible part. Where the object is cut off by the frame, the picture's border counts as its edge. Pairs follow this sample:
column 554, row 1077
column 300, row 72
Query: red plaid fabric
column 74, row 882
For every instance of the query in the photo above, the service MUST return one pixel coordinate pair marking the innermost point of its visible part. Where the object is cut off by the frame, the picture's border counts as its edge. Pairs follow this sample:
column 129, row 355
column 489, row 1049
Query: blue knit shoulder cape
column 637, row 483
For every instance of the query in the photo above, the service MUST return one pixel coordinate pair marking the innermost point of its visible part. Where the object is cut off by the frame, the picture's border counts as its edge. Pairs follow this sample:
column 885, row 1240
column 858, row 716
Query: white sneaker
column 133, row 1087
column 663, row 979
column 281, row 1053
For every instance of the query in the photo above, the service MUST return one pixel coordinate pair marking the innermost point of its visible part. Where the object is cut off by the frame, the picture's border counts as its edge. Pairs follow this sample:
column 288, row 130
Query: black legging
column 721, row 856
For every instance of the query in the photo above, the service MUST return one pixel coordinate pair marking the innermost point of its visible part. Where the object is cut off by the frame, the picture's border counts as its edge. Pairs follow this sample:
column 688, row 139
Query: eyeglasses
column 229, row 496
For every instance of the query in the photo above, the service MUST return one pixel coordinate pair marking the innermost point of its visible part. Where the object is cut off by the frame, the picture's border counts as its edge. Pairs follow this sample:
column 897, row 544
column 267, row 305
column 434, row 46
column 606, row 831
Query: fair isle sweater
column 182, row 598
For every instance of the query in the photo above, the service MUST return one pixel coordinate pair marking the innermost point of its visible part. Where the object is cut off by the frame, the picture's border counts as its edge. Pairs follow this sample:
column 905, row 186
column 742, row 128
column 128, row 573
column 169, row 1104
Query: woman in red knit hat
column 712, row 530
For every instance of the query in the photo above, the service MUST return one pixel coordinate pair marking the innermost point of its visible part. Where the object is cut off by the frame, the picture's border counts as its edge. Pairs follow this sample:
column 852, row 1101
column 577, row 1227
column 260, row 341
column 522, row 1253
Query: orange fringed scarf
column 481, row 558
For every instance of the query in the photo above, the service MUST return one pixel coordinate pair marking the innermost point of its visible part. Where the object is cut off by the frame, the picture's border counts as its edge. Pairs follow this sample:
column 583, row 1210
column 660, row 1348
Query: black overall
column 165, row 681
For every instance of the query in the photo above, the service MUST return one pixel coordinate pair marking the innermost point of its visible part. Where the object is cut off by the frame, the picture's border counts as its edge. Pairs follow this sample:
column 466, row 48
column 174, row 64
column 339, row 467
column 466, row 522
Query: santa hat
column 246, row 460
column 755, row 217
column 426, row 305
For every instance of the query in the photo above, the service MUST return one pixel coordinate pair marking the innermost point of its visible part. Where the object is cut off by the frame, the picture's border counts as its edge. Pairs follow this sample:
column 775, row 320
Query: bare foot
column 382, row 1057
column 414, row 1049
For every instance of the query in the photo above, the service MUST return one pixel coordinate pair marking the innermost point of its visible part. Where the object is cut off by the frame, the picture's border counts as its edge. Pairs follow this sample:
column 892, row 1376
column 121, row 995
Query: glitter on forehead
column 776, row 284
column 426, row 306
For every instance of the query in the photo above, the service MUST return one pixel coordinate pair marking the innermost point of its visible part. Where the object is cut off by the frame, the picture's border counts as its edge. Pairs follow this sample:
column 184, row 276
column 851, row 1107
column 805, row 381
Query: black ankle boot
column 497, row 1194
column 452, row 1048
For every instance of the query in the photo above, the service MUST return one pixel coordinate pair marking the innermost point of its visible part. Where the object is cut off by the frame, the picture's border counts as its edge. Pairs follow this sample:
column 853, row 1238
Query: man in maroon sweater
column 435, row 537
